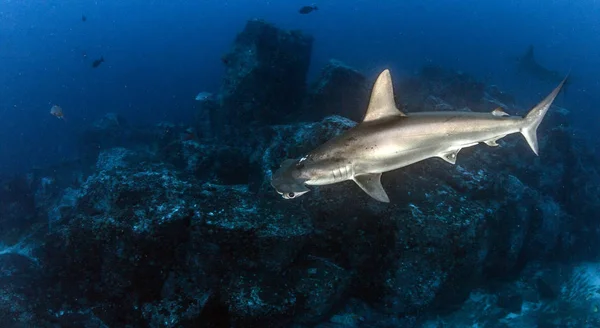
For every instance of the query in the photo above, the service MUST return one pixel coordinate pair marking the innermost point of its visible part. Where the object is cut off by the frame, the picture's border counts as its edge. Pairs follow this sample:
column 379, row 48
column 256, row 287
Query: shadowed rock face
column 265, row 77
column 157, row 228
column 339, row 90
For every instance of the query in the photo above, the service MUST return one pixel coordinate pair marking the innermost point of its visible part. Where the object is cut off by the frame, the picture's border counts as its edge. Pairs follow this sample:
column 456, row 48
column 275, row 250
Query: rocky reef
column 265, row 78
column 160, row 227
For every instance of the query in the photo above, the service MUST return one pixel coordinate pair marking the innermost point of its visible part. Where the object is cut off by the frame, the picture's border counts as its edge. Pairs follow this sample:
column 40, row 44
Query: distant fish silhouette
column 203, row 96
column 189, row 134
column 83, row 18
column 97, row 62
column 307, row 9
column 527, row 64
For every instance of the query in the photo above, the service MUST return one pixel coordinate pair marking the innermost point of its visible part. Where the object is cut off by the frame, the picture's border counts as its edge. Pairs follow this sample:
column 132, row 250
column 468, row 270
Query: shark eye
column 291, row 195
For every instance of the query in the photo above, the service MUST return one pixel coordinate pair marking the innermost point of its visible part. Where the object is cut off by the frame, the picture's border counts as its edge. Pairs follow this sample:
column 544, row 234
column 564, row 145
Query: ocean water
column 159, row 55
column 241, row 254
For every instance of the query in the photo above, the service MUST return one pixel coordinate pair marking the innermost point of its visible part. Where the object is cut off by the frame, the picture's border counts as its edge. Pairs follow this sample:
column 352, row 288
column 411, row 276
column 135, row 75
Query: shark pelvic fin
column 535, row 116
column 371, row 184
column 493, row 142
column 499, row 112
column 382, row 102
column 450, row 156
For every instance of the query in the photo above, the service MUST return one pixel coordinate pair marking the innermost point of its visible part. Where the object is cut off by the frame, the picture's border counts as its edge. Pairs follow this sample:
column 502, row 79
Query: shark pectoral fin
column 450, row 156
column 371, row 184
column 382, row 103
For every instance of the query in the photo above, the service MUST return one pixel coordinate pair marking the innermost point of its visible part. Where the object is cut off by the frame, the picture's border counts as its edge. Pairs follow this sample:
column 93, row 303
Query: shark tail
column 535, row 116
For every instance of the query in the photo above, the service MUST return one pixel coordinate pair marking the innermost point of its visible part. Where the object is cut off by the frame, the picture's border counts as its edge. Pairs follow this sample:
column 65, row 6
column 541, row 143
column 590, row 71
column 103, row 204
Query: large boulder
column 545, row 295
column 119, row 235
column 17, row 207
column 339, row 90
column 265, row 77
column 21, row 290
column 437, row 88
column 137, row 235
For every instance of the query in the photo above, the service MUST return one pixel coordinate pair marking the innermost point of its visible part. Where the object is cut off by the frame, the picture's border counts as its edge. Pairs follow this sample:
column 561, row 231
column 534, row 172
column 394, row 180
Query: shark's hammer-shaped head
column 288, row 180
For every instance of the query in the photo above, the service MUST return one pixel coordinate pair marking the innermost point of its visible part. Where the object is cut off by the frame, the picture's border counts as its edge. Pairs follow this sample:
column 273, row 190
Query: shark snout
column 285, row 182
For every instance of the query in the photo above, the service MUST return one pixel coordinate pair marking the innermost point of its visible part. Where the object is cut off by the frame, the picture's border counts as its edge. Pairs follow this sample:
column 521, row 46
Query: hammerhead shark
column 388, row 139
column 528, row 64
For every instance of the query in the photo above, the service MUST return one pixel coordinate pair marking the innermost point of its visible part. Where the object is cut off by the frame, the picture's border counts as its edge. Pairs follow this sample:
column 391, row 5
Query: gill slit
column 343, row 172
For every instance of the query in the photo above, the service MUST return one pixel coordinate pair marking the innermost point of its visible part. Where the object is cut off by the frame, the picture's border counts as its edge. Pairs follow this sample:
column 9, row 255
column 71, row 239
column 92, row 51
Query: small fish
column 307, row 9
column 225, row 59
column 203, row 96
column 97, row 62
column 57, row 111
column 83, row 18
column 189, row 134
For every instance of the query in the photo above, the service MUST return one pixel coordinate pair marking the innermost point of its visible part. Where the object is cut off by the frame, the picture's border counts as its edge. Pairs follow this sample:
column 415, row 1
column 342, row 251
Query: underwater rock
column 339, row 90
column 439, row 245
column 144, row 219
column 499, row 97
column 206, row 113
column 21, row 298
column 163, row 139
column 357, row 313
column 17, row 207
column 29, row 201
column 183, row 297
column 265, row 77
column 109, row 131
column 435, row 104
column 259, row 301
column 77, row 318
column 457, row 89
column 321, row 284
column 217, row 163
column 257, row 243
column 128, row 222
column 263, row 235
column 575, row 300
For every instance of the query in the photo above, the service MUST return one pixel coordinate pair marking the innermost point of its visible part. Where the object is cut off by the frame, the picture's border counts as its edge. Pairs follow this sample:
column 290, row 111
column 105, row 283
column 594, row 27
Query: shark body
column 388, row 139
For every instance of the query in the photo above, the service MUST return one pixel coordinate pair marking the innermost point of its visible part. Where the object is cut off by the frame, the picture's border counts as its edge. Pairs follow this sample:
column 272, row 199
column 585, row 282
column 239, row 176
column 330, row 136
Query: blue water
column 160, row 54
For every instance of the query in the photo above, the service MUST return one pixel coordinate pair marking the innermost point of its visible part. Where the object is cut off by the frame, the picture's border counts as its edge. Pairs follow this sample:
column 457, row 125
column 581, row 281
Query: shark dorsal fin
column 382, row 102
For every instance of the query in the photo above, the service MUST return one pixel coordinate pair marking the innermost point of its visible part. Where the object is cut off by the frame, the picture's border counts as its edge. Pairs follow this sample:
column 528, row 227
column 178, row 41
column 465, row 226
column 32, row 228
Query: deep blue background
column 160, row 54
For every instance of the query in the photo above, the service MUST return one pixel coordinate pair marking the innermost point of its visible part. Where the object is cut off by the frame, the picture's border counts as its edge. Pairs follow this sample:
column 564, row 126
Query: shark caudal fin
column 535, row 117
